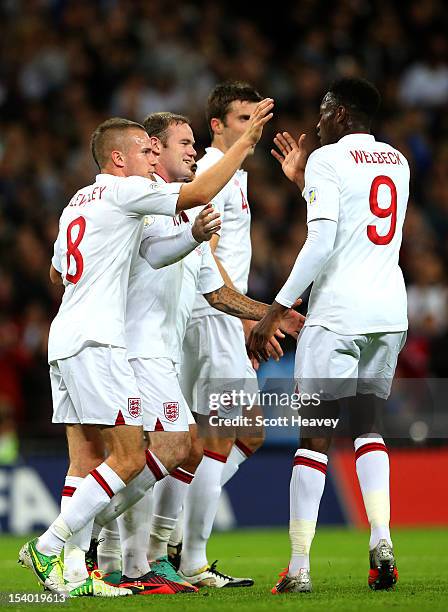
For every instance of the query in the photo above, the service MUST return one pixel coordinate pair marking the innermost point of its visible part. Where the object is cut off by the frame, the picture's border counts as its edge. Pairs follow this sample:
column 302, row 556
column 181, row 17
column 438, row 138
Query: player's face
column 236, row 119
column 327, row 128
column 178, row 155
column 140, row 156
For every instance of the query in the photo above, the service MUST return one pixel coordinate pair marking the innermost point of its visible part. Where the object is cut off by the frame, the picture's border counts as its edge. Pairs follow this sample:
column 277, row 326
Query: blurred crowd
column 68, row 65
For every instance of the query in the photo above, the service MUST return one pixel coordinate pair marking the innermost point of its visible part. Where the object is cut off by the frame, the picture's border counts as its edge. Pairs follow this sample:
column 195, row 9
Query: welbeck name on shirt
column 376, row 157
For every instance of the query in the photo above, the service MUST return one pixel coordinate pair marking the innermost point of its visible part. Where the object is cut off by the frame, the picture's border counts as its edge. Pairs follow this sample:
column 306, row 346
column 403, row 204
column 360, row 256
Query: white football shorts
column 164, row 406
column 95, row 387
column 215, row 361
column 337, row 366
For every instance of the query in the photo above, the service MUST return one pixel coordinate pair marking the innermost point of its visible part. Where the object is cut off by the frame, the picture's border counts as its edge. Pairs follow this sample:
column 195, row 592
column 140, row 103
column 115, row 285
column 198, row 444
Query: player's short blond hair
column 106, row 137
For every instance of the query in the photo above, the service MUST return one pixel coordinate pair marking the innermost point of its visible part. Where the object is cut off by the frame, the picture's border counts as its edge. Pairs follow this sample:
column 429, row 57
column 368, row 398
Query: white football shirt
column 234, row 248
column 99, row 236
column 362, row 185
column 160, row 301
column 153, row 296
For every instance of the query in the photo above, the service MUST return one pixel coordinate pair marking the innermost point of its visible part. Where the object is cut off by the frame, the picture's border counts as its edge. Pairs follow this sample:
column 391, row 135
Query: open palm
column 292, row 155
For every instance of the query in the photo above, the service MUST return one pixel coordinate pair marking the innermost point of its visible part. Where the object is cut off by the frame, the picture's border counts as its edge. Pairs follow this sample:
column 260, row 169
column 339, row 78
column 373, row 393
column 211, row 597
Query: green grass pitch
column 339, row 573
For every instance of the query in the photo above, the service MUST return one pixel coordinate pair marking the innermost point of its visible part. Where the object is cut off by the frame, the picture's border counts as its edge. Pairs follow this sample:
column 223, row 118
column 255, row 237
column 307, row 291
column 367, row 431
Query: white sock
column 109, row 549
column 133, row 526
column 75, row 570
column 239, row 453
column 168, row 498
column 92, row 496
column 153, row 471
column 372, row 467
column 201, row 505
column 305, row 492
column 177, row 534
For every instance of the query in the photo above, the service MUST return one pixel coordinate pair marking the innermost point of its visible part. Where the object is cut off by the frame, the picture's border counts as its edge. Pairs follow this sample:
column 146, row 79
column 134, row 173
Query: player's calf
column 171, row 447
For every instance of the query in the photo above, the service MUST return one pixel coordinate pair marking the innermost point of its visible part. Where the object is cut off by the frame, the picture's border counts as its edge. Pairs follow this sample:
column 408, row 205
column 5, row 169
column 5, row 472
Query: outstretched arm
column 238, row 305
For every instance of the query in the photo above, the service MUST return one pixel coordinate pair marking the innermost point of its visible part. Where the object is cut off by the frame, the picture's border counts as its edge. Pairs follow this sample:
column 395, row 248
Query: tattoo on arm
column 234, row 303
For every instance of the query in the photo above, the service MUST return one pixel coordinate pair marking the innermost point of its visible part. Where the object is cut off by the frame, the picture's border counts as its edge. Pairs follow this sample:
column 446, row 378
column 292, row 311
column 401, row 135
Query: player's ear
column 217, row 126
column 117, row 158
column 341, row 114
column 156, row 144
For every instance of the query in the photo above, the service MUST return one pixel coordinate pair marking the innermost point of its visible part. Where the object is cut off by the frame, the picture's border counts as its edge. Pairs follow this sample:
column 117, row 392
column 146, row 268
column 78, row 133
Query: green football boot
column 48, row 569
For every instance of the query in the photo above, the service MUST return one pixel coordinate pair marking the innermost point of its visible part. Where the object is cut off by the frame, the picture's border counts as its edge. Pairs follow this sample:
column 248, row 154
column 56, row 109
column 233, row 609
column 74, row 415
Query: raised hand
column 292, row 156
column 261, row 115
column 206, row 224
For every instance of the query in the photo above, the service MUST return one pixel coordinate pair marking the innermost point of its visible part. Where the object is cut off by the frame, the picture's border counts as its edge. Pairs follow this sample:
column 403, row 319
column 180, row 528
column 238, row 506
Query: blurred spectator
column 425, row 82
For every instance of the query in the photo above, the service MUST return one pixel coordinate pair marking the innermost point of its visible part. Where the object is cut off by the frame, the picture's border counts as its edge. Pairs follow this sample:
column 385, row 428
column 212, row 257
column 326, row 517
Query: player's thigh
column 102, row 386
column 378, row 363
column 86, row 448
column 326, row 363
column 164, row 406
column 214, row 360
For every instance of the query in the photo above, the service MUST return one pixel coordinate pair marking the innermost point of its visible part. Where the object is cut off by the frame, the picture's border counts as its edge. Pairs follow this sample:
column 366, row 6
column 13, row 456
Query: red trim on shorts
column 311, row 463
column 68, row 491
column 159, row 426
column 100, row 480
column 120, row 419
column 184, row 216
column 369, row 448
column 182, row 475
column 215, row 456
column 152, row 464
column 243, row 448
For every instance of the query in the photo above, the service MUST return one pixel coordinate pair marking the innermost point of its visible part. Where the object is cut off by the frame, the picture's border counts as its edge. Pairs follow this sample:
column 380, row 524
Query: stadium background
column 66, row 66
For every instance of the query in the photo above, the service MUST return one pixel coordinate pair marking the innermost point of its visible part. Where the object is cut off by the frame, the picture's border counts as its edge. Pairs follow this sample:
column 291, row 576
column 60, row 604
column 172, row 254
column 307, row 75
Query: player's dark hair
column 157, row 124
column 360, row 96
column 223, row 95
column 100, row 141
